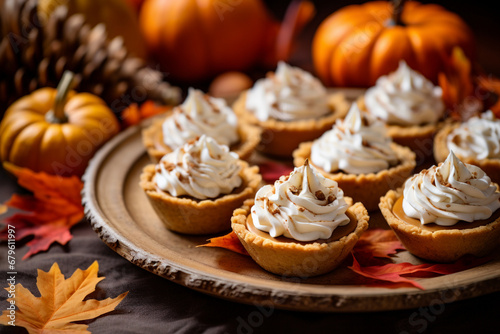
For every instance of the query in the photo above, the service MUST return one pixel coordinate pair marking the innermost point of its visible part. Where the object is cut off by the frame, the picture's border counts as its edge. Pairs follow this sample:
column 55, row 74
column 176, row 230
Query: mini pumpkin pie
column 445, row 212
column 358, row 155
column 195, row 188
column 411, row 107
column 476, row 142
column 200, row 114
column 290, row 106
column 300, row 226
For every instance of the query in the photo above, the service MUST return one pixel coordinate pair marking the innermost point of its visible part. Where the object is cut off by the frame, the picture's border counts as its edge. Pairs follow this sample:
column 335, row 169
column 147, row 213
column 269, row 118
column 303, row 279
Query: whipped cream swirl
column 357, row 145
column 405, row 97
column 478, row 138
column 201, row 169
column 289, row 94
column 200, row 114
column 450, row 193
column 304, row 206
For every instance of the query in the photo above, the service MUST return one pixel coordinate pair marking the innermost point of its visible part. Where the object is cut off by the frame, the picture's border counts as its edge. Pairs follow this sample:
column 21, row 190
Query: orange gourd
column 56, row 131
column 193, row 40
column 358, row 43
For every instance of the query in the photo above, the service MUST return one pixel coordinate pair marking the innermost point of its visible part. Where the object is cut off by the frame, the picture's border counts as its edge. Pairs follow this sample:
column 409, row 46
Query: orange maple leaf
column 465, row 92
column 61, row 302
column 134, row 113
column 54, row 208
column 229, row 241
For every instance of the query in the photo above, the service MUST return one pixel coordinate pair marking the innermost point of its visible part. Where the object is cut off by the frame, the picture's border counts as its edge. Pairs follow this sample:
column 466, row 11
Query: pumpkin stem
column 57, row 115
column 396, row 12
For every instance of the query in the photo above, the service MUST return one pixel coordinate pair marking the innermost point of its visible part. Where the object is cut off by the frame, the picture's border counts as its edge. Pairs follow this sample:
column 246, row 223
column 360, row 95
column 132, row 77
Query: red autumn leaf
column 134, row 113
column 393, row 272
column 229, row 241
column 271, row 171
column 3, row 208
column 53, row 208
column 377, row 243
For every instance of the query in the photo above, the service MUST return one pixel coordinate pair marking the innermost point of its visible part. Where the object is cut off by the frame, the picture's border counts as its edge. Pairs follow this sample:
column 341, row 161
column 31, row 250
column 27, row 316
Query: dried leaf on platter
column 61, row 302
column 53, row 208
column 229, row 241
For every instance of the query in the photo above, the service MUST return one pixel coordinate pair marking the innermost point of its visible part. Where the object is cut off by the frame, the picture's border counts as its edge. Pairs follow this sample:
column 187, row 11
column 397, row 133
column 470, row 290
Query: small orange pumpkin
column 56, row 131
column 358, row 43
column 194, row 40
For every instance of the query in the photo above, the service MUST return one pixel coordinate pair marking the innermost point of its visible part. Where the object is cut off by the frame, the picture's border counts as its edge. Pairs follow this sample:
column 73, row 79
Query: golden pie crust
column 280, row 138
column 298, row 259
column 490, row 166
column 443, row 244
column 419, row 138
column 365, row 188
column 191, row 216
column 152, row 138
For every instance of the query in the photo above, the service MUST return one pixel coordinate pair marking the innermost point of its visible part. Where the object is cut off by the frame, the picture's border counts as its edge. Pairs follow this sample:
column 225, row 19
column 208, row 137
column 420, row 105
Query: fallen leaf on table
column 61, row 302
column 392, row 272
column 53, row 209
column 378, row 243
column 229, row 241
column 271, row 171
column 134, row 113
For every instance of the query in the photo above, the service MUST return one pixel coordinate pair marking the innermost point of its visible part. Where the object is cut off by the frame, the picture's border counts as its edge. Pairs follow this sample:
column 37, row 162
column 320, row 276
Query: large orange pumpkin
column 358, row 43
column 55, row 131
column 193, row 40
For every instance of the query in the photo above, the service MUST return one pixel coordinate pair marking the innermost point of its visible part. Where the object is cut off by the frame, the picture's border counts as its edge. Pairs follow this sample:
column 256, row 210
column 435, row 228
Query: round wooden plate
column 122, row 217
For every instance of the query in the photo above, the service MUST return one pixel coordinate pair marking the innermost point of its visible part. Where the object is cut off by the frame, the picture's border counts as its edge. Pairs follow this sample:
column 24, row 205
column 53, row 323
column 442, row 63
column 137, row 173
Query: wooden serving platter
column 121, row 215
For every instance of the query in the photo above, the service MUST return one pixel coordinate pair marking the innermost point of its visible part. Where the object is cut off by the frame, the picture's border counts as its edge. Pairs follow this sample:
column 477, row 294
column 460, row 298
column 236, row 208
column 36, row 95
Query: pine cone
column 35, row 52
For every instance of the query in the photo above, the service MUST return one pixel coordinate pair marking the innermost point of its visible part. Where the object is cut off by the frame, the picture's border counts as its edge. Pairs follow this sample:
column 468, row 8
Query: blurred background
column 479, row 15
